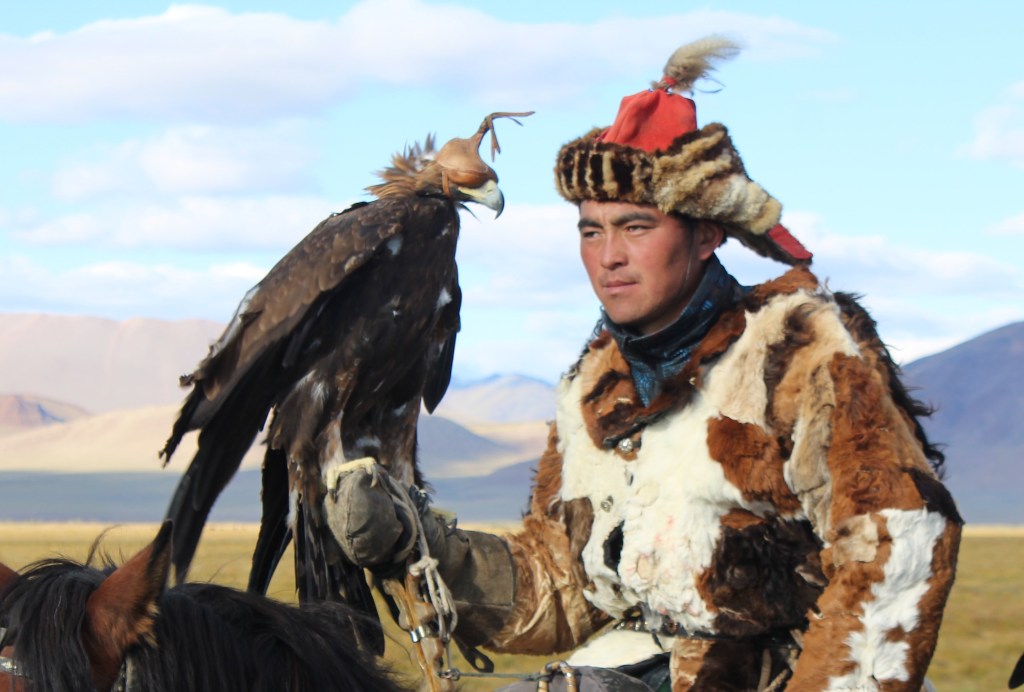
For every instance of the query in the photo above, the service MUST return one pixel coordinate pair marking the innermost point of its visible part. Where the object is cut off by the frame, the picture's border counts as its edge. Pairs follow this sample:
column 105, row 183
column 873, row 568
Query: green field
column 982, row 634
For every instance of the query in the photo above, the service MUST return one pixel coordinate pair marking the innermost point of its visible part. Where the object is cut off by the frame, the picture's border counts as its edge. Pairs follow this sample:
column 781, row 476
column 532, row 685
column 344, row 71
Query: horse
column 72, row 626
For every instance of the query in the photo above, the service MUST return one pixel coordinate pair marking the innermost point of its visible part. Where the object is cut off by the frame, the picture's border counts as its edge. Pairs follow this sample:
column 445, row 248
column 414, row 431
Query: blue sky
column 157, row 159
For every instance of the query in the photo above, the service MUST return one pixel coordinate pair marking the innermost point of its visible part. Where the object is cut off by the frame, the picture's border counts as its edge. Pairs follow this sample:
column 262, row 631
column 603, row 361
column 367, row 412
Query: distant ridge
column 127, row 442
column 982, row 376
column 506, row 398
column 21, row 411
column 977, row 389
column 98, row 364
column 478, row 449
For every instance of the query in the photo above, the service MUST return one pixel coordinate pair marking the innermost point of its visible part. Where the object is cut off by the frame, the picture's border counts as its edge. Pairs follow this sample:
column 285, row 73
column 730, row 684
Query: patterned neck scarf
column 657, row 357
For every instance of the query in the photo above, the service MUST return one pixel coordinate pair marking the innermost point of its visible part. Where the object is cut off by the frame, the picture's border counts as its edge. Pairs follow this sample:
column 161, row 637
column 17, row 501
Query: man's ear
column 709, row 236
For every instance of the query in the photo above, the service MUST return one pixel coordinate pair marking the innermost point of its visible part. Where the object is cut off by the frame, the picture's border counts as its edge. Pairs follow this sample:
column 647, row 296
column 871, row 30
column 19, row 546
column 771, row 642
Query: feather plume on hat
column 694, row 60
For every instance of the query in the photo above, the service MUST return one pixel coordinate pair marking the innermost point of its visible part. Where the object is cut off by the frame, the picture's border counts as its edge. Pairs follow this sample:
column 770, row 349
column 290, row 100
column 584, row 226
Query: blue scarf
column 657, row 357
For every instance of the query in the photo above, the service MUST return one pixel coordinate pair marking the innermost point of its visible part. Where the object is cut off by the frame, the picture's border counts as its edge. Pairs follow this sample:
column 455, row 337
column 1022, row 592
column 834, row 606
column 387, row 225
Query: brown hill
column 105, row 365
column 19, row 412
column 499, row 399
column 127, row 441
column 99, row 364
column 120, row 441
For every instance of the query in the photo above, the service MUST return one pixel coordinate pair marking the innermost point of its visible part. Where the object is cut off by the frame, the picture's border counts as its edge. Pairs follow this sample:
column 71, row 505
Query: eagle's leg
column 398, row 447
column 335, row 470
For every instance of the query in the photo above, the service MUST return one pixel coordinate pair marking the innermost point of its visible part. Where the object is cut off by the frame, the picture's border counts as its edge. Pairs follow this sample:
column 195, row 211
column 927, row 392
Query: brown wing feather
column 273, row 309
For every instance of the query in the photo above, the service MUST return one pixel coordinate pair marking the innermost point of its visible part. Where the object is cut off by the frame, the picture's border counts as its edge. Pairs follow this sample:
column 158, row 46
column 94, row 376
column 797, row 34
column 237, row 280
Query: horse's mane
column 43, row 613
column 207, row 637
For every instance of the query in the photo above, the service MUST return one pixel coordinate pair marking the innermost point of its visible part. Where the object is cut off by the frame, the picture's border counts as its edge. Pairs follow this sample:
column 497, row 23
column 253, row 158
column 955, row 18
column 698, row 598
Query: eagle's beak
column 488, row 194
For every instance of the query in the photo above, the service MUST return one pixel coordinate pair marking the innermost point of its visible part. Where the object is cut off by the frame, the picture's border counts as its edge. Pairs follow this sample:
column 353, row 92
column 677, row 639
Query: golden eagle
column 340, row 342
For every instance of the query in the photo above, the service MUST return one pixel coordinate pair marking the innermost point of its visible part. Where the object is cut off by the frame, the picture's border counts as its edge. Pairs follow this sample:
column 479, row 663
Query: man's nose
column 613, row 251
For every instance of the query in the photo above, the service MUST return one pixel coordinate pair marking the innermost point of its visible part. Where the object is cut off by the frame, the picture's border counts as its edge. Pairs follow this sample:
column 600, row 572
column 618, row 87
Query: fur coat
column 772, row 512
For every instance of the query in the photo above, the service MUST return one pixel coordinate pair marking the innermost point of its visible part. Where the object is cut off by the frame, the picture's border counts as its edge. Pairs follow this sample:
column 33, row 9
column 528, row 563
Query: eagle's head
column 456, row 171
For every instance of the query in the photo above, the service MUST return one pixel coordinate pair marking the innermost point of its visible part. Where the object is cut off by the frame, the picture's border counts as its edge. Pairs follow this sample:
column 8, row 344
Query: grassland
column 982, row 634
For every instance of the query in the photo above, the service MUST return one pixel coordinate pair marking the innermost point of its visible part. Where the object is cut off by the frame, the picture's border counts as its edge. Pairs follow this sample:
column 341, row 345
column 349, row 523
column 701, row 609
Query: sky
column 157, row 159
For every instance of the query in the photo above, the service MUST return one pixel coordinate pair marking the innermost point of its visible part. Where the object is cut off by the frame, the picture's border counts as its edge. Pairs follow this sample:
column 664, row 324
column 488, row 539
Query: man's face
column 643, row 264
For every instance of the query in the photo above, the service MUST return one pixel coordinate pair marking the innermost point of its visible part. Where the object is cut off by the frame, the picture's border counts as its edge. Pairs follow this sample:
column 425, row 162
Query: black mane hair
column 207, row 637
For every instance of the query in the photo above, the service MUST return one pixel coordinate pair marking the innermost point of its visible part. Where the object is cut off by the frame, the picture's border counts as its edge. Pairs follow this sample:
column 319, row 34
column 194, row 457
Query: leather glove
column 373, row 531
column 376, row 530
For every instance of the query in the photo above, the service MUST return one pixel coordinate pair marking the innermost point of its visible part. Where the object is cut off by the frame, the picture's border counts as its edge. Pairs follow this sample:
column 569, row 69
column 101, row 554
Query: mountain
column 124, row 441
column 977, row 389
column 19, row 412
column 478, row 450
column 448, row 449
column 98, row 364
column 105, row 468
column 127, row 442
column 499, row 399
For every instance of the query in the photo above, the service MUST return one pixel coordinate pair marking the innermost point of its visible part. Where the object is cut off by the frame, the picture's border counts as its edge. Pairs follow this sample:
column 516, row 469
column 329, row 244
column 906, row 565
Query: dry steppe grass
column 982, row 635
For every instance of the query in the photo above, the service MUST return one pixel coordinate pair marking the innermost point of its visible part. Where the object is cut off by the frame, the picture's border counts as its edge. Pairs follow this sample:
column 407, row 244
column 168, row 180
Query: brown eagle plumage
column 339, row 344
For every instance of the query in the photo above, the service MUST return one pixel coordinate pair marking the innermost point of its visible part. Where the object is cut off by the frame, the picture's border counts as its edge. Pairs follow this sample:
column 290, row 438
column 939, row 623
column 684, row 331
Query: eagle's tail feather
column 323, row 577
column 274, row 533
column 222, row 445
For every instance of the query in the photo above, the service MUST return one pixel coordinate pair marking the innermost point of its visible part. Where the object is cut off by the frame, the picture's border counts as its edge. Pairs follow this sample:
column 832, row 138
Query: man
column 736, row 488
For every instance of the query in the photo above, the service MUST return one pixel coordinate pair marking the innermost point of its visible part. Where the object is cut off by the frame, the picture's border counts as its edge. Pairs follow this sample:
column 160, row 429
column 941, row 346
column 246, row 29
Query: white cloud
column 122, row 289
column 890, row 266
column 194, row 222
column 527, row 257
column 206, row 64
column 999, row 130
column 191, row 159
column 1011, row 226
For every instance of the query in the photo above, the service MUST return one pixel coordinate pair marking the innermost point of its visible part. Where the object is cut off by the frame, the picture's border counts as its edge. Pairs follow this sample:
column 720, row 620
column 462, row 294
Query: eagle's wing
column 262, row 352
column 271, row 311
column 441, row 352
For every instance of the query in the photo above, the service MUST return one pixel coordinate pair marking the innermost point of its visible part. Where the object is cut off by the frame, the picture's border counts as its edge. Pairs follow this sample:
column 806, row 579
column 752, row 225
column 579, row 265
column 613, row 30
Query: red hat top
column 651, row 120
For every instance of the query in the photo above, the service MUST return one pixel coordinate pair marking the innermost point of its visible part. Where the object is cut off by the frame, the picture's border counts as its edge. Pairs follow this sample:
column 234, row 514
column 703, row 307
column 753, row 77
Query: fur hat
column 654, row 154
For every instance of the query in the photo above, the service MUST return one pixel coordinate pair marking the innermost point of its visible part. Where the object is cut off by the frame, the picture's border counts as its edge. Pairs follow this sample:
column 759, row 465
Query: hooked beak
column 488, row 194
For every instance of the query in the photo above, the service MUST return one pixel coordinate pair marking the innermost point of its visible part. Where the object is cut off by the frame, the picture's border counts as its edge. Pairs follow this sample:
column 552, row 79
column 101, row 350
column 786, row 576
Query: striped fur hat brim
column 700, row 175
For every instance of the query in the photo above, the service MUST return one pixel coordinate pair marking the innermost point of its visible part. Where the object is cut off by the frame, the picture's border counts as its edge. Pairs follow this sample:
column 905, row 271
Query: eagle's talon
column 333, row 473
